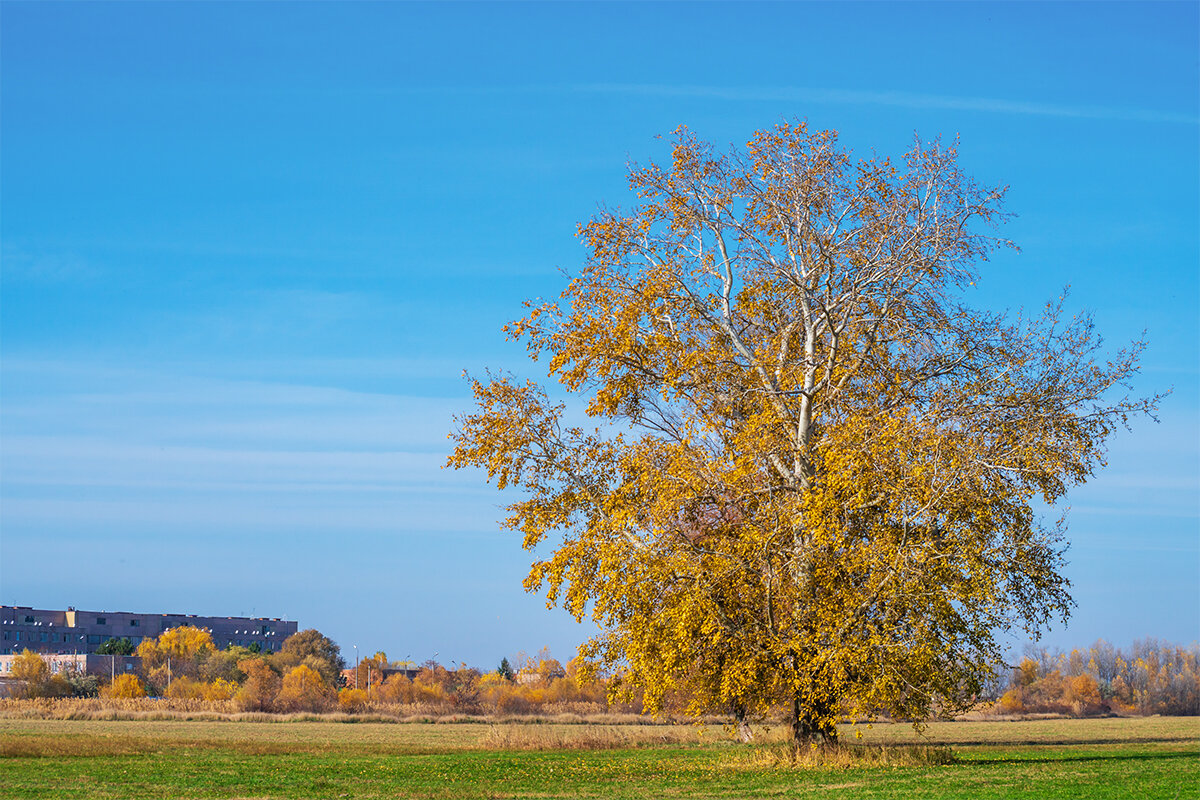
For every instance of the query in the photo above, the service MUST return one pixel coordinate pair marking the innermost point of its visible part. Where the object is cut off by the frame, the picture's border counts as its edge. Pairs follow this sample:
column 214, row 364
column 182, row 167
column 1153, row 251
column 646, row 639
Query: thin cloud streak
column 900, row 99
column 791, row 94
column 149, row 516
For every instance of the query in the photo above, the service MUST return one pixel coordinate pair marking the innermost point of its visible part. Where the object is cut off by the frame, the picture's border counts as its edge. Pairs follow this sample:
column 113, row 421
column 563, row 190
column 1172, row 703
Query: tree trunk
column 811, row 725
column 741, row 726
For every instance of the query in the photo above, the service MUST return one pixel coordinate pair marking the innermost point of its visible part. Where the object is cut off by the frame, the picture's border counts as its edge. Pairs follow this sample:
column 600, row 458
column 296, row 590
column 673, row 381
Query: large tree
column 815, row 474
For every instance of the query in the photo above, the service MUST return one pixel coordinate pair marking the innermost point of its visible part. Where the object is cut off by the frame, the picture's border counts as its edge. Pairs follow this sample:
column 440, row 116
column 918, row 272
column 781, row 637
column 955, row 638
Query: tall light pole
column 355, row 666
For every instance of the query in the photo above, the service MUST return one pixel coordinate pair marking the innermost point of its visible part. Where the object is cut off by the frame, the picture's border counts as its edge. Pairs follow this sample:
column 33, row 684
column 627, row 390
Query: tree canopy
column 122, row 646
column 814, row 474
column 318, row 651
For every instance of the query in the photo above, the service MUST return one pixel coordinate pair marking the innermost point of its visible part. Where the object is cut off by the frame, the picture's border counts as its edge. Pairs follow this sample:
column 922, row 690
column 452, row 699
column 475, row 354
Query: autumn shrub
column 83, row 685
column 185, row 688
column 304, row 690
column 57, row 685
column 352, row 700
column 1011, row 702
column 513, row 702
column 219, row 690
column 259, row 689
column 31, row 672
column 395, row 689
column 1083, row 695
column 430, row 695
column 49, row 686
column 124, row 686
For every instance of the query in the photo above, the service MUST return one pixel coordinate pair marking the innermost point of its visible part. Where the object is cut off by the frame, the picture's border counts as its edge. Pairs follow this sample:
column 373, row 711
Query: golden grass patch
column 849, row 756
column 587, row 737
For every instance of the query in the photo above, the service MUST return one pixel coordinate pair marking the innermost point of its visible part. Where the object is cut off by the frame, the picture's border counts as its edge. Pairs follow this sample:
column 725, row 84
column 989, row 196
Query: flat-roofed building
column 65, row 663
column 76, row 631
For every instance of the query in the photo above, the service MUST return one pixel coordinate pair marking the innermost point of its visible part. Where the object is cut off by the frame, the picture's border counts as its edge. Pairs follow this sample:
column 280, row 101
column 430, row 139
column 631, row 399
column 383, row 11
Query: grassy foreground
column 1135, row 758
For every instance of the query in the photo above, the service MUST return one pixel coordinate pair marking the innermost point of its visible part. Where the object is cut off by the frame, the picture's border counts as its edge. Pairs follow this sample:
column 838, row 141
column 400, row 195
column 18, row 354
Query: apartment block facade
column 75, row 631
column 102, row 666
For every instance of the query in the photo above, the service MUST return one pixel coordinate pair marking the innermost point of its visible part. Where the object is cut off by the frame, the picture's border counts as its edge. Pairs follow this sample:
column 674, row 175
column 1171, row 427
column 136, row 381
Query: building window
column 101, row 620
column 133, row 623
column 43, row 637
column 28, row 618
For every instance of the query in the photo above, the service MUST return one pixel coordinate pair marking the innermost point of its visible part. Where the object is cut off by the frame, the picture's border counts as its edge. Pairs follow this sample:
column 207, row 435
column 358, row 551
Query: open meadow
column 1061, row 758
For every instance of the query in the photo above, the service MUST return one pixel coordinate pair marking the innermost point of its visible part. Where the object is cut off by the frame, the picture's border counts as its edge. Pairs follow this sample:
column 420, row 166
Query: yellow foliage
column 1083, row 694
column 1011, row 702
column 395, row 689
column 184, row 642
column 220, row 689
column 1026, row 673
column 352, row 699
column 185, row 688
column 174, row 654
column 124, row 686
column 28, row 666
column 814, row 471
column 304, row 690
column 258, row 690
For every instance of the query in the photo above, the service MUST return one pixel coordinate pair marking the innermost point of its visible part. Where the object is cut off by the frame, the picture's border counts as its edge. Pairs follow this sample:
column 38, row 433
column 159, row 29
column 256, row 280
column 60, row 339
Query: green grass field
column 1134, row 758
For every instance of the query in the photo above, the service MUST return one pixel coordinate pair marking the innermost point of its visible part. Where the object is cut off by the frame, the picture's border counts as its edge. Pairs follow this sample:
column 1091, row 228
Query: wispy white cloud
column 790, row 94
column 45, row 266
column 173, row 411
column 111, row 446
column 804, row 94
column 1137, row 511
column 397, row 514
column 157, row 448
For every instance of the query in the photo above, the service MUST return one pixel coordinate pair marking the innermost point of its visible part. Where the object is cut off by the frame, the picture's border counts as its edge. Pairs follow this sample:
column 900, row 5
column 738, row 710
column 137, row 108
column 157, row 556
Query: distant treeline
column 1151, row 677
column 309, row 674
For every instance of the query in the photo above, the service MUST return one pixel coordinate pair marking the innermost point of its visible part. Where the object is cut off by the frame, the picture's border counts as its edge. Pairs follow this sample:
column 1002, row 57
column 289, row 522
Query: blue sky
column 249, row 249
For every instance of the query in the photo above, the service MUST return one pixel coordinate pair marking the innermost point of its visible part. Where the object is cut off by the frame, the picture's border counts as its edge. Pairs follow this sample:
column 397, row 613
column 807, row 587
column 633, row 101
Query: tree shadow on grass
column 1008, row 762
column 1056, row 742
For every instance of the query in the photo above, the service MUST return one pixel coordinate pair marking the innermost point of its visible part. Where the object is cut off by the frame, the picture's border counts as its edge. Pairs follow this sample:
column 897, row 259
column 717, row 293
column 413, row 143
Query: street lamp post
column 355, row 666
